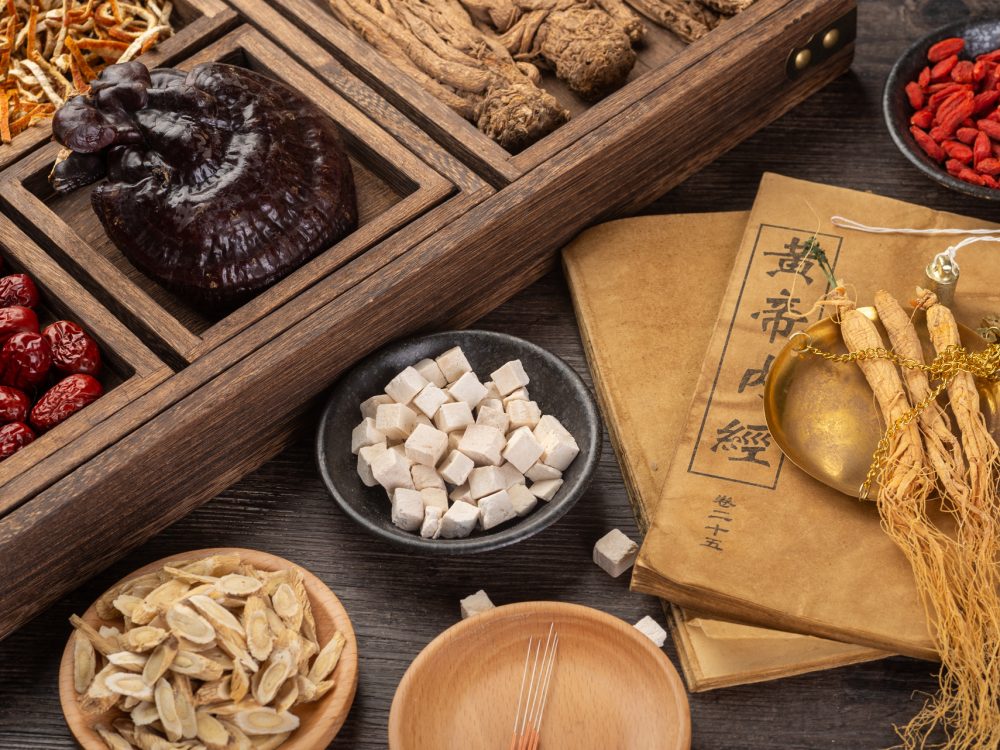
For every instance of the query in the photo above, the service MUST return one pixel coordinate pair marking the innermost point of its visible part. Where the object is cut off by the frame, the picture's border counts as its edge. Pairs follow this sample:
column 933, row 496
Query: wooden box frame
column 204, row 21
column 420, row 188
column 192, row 435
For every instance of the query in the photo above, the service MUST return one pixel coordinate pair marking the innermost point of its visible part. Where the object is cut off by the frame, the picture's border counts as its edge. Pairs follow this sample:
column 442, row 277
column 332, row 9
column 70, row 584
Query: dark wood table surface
column 398, row 602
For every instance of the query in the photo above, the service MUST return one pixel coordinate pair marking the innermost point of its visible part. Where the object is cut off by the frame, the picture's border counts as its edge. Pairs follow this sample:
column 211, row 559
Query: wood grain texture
column 320, row 720
column 198, row 22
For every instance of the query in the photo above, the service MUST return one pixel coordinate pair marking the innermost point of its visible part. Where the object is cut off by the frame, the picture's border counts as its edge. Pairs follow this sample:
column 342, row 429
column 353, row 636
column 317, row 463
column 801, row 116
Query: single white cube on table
column 546, row 489
column 453, row 364
column 475, row 604
column 432, row 522
column 522, row 499
column 425, row 477
column 407, row 509
column 406, row 385
column 435, row 496
column 522, row 449
column 652, row 630
column 366, row 456
column 482, row 444
column 511, row 475
column 468, row 389
column 521, row 413
column 431, row 372
column 540, row 472
column 426, row 445
column 461, row 494
column 395, row 421
column 392, row 470
column 455, row 468
column 510, row 377
column 521, row 394
column 430, row 399
column 485, row 480
column 493, row 417
column 459, row 521
column 453, row 416
column 496, row 509
column 365, row 434
column 615, row 553
column 369, row 406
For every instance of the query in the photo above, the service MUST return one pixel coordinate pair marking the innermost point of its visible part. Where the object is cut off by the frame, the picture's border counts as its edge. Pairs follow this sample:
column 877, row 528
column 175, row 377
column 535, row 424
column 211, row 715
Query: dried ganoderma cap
column 220, row 181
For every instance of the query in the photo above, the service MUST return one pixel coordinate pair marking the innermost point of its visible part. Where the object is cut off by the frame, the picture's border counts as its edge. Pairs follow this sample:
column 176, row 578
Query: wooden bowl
column 320, row 721
column 610, row 687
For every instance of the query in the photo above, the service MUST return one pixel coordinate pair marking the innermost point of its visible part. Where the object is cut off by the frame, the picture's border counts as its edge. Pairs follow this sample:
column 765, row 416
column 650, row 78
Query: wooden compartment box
column 661, row 58
column 129, row 368
column 196, row 22
column 393, row 188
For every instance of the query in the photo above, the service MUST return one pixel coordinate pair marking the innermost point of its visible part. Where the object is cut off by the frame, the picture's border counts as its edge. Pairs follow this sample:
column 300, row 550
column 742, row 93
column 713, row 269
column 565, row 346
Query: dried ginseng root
column 210, row 653
column 437, row 44
column 688, row 19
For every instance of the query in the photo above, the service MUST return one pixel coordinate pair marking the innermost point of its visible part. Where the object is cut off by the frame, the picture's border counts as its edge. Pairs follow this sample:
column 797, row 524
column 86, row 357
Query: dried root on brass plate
column 211, row 651
column 920, row 459
column 49, row 49
column 220, row 181
column 436, row 43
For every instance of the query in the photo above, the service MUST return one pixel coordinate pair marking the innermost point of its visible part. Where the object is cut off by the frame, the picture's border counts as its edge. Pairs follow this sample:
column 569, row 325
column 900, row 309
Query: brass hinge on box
column 823, row 45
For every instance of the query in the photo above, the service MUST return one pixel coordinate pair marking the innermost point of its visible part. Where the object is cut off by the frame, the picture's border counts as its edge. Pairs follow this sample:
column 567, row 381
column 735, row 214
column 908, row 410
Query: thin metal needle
column 520, row 694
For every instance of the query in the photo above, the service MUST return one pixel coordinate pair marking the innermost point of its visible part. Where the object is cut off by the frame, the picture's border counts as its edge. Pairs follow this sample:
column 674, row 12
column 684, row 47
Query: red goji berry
column 963, row 71
column 951, row 103
column 945, row 48
column 996, row 150
column 966, row 135
column 924, row 118
column 990, row 56
column 954, row 166
column 916, row 94
column 995, row 116
column 989, row 166
column 985, row 100
column 928, row 144
column 941, row 95
column 924, row 79
column 971, row 176
column 955, row 116
column 942, row 70
column 991, row 128
column 982, row 149
column 958, row 151
column 979, row 70
column 989, row 181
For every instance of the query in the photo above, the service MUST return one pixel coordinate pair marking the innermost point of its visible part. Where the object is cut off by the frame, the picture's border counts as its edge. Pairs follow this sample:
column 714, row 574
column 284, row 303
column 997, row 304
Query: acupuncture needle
column 520, row 694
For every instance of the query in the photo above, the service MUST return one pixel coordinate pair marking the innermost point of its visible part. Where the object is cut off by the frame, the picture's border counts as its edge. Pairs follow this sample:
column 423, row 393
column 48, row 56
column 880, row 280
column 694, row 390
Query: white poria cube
column 522, row 413
column 459, row 521
column 511, row 475
column 456, row 415
column 475, row 604
column 546, row 489
column 454, row 438
column 406, row 385
column 455, row 469
column 426, row 445
column 365, row 434
column 432, row 522
column 436, row 497
column 492, row 392
column 547, row 425
column 430, row 399
column 369, row 406
column 540, row 472
column 453, row 364
column 491, row 403
column 366, row 456
column 510, row 377
column 395, row 421
column 482, row 444
column 615, row 553
column 493, row 417
column 485, row 481
column 431, row 372
column 422, row 419
column 426, row 477
column 468, row 389
column 521, row 394
column 522, row 449
column 522, row 499
column 392, row 470
column 496, row 509
column 652, row 630
column 461, row 494
column 559, row 451
column 407, row 509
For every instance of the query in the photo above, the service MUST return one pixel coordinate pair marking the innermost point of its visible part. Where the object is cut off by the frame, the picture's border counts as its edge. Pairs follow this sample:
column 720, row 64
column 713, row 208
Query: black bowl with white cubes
column 459, row 442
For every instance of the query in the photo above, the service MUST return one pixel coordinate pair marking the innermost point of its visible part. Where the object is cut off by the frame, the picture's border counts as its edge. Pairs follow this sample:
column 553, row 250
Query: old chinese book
column 644, row 382
column 738, row 531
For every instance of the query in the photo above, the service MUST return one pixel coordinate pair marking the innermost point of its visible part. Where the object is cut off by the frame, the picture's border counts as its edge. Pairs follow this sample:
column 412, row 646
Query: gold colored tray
column 823, row 414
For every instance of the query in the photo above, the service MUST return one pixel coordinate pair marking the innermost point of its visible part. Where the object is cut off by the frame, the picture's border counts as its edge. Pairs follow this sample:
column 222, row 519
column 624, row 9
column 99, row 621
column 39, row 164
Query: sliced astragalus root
column 256, row 721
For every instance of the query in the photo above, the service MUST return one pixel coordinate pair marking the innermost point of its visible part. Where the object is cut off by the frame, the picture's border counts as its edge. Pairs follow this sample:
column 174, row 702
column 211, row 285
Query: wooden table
column 399, row 603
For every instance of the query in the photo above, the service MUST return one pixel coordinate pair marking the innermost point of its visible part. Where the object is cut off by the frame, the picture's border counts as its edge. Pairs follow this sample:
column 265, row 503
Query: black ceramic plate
column 980, row 36
column 557, row 389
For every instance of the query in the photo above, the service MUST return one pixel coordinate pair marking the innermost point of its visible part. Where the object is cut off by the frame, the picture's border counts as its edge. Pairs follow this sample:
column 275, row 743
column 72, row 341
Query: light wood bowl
column 320, row 721
column 610, row 687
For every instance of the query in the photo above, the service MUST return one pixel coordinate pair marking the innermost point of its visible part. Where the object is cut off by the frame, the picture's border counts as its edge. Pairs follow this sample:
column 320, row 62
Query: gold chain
column 946, row 365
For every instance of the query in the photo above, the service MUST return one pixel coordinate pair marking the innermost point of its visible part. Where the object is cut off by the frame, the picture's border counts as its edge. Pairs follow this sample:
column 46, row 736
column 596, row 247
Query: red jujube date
column 16, row 319
column 13, row 437
column 72, row 350
column 14, row 405
column 64, row 399
column 18, row 289
column 24, row 361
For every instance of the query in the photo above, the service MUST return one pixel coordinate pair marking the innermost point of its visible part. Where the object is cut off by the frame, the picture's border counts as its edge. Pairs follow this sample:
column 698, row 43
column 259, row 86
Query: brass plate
column 823, row 415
